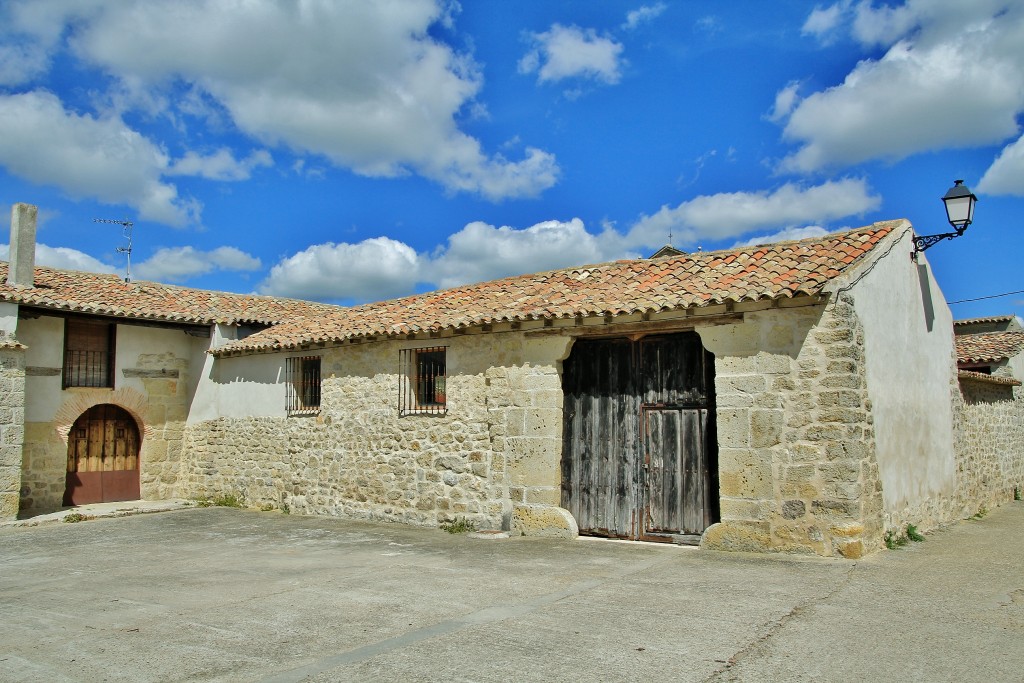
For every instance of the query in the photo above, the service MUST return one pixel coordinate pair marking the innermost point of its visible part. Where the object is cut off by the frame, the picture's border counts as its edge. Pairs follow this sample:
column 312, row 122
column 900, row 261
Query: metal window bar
column 302, row 386
column 86, row 369
column 423, row 381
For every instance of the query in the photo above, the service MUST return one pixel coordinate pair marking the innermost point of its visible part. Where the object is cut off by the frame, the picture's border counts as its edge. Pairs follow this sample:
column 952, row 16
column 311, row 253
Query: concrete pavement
column 218, row 594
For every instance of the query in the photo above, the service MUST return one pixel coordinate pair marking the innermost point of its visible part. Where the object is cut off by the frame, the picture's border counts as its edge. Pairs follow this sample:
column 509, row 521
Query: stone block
column 740, row 384
column 544, row 422
column 851, row 550
column 533, row 462
column 770, row 363
column 543, row 521
column 544, row 495
column 733, row 428
column 753, row 481
column 792, row 509
column 744, row 509
column 804, row 452
column 765, row 428
column 737, row 537
column 9, row 502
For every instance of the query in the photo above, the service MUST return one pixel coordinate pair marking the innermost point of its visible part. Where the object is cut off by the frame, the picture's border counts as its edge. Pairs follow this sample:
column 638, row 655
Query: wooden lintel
column 146, row 373
column 40, row 371
column 642, row 328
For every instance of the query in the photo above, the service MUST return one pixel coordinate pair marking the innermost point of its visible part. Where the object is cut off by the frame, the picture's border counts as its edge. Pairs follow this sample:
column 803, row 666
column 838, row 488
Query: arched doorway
column 103, row 457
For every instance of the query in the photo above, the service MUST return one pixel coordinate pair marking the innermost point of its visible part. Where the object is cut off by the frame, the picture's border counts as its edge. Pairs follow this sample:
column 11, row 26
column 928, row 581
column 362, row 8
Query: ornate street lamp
column 959, row 201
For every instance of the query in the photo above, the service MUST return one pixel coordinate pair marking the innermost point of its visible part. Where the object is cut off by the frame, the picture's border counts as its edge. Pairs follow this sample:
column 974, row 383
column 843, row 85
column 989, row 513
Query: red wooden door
column 103, row 457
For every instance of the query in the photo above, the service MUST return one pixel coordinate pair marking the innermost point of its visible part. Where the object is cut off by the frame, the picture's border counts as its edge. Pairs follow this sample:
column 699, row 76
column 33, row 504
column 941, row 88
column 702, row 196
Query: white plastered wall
column 908, row 344
column 240, row 386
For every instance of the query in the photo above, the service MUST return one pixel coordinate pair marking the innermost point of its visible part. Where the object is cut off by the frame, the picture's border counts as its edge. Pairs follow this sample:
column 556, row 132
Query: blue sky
column 354, row 151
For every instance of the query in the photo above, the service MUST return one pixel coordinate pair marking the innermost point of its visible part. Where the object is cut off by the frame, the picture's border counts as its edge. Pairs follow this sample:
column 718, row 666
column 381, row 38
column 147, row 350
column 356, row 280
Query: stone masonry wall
column 989, row 432
column 490, row 459
column 12, row 427
column 796, row 452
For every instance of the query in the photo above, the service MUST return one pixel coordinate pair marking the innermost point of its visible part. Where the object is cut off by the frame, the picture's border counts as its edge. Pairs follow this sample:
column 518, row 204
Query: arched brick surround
column 75, row 404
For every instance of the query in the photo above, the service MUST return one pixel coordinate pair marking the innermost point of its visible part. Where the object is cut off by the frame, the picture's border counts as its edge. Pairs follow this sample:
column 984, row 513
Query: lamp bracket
column 922, row 242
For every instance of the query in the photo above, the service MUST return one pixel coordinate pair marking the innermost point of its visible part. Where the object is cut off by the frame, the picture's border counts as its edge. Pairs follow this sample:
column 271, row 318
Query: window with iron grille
column 88, row 354
column 422, row 381
column 302, row 385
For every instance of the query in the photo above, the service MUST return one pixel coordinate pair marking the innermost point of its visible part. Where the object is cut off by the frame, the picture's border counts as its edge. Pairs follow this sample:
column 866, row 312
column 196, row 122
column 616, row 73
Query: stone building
column 800, row 396
column 990, row 410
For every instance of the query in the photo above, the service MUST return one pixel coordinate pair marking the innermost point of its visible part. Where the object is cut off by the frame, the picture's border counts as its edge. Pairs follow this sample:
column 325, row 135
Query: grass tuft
column 459, row 526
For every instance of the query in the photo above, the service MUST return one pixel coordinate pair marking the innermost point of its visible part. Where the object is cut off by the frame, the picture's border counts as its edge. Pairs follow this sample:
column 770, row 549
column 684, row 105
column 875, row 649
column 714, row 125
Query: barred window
column 422, row 381
column 88, row 354
column 302, row 385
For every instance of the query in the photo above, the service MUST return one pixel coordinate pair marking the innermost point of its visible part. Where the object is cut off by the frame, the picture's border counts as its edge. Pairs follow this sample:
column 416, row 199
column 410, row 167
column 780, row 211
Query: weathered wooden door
column 103, row 457
column 638, row 456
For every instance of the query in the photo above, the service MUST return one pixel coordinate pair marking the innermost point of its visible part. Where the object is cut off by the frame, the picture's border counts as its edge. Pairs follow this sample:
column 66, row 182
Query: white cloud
column 481, row 252
column 785, row 235
column 363, row 84
column 572, row 52
column 221, row 165
column 730, row 214
column 382, row 268
column 63, row 257
column 374, row 269
column 643, row 14
column 952, row 77
column 177, row 264
column 823, row 21
column 88, row 157
column 1006, row 174
column 785, row 101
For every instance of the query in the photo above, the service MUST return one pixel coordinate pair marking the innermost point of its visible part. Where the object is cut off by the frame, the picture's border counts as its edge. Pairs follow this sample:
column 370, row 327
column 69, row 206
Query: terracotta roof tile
column 99, row 294
column 987, row 347
column 989, row 319
column 988, row 379
column 782, row 270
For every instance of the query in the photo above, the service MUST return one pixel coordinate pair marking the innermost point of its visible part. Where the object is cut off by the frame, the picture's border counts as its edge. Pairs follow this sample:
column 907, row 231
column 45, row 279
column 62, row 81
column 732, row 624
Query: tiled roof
column 990, row 319
column 98, row 294
column 986, row 347
column 773, row 271
column 987, row 379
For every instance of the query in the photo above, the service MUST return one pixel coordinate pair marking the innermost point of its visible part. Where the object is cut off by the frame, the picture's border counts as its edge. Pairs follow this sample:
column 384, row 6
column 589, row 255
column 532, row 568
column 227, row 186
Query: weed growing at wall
column 897, row 539
column 459, row 526
column 225, row 500
column 894, row 539
column 76, row 517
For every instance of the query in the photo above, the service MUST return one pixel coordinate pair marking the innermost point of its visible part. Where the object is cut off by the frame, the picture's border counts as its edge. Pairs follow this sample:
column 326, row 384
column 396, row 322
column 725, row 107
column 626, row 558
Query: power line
column 980, row 298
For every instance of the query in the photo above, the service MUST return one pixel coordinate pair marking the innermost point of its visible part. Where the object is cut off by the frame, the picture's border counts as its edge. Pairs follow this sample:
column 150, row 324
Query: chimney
column 21, row 270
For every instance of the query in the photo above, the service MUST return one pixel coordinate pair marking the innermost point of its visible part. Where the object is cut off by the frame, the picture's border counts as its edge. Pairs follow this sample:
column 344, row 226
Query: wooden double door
column 103, row 457
column 639, row 452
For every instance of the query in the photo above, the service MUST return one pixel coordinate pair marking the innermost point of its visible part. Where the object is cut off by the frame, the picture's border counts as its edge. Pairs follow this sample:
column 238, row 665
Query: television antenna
column 127, row 226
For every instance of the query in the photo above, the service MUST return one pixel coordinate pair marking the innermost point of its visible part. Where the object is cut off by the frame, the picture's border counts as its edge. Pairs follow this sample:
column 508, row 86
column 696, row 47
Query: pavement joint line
column 480, row 617
column 776, row 625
